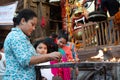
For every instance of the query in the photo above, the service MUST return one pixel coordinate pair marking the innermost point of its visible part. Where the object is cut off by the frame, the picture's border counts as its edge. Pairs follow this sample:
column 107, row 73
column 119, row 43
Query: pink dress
column 64, row 73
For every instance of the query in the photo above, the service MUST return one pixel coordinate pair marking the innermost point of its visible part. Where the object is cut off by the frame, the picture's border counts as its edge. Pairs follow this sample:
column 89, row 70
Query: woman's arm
column 44, row 58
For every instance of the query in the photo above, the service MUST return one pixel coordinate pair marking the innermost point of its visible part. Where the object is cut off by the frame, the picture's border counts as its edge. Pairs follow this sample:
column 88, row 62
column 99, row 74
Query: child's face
column 41, row 49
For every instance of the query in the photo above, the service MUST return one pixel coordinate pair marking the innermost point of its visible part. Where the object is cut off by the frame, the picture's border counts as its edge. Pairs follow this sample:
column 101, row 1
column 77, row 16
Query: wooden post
column 25, row 4
column 68, row 20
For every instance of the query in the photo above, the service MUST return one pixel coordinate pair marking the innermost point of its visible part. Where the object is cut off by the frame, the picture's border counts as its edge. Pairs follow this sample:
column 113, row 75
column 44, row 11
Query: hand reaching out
column 55, row 56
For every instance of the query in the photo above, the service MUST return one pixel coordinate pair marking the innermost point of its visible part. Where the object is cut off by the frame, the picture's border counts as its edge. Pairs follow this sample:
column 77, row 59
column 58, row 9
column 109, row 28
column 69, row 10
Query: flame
column 119, row 60
column 105, row 49
column 113, row 59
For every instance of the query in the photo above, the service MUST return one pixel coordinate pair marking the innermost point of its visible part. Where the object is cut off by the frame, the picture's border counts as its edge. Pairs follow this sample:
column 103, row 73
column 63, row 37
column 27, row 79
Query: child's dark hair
column 38, row 42
column 52, row 46
column 27, row 14
column 53, row 35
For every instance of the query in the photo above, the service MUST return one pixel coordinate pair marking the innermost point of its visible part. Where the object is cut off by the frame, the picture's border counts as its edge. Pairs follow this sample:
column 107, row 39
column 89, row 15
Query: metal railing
column 96, row 67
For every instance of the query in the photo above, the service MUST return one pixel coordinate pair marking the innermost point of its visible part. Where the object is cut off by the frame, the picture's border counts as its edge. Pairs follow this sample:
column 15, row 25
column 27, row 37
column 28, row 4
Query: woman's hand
column 46, row 57
column 55, row 56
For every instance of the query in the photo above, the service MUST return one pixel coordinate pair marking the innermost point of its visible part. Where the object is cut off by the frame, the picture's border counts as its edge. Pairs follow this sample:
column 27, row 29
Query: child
column 42, row 48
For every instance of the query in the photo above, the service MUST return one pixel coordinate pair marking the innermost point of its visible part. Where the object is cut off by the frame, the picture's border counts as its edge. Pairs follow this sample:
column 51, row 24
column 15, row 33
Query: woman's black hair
column 63, row 36
column 27, row 14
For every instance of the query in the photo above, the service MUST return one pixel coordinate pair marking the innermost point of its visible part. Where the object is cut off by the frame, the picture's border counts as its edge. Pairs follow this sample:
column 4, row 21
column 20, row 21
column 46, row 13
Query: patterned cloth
column 72, row 47
column 18, row 52
column 68, row 53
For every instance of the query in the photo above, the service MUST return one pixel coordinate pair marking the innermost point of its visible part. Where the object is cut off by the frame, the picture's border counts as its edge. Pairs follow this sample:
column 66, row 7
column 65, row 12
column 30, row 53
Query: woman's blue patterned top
column 18, row 52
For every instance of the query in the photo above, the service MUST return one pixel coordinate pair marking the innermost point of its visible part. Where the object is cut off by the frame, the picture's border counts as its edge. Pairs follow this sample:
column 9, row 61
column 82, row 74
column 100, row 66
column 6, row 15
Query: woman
column 64, row 73
column 67, row 52
column 19, row 52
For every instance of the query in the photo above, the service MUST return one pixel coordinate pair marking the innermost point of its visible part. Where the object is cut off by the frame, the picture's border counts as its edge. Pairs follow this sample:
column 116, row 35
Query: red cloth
column 43, row 22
